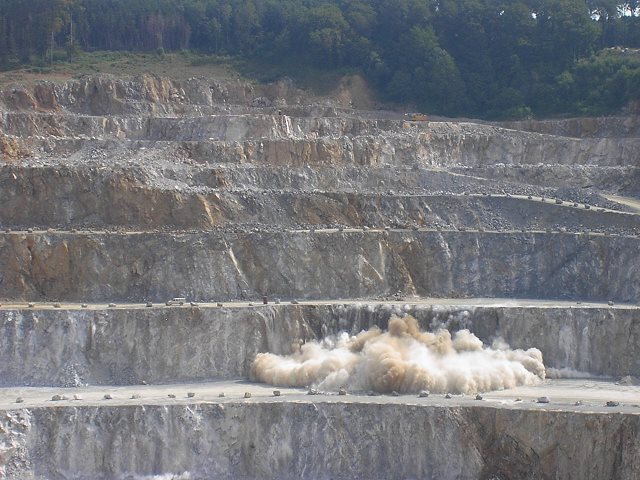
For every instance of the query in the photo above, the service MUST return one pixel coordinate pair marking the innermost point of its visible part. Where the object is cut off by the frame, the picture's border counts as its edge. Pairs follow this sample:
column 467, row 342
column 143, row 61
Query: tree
column 328, row 31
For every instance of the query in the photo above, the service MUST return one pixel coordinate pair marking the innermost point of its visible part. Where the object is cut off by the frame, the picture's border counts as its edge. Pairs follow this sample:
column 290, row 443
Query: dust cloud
column 405, row 360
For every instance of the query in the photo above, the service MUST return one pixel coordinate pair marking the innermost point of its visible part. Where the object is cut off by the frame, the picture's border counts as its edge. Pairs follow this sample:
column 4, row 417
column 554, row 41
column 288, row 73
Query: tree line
column 486, row 58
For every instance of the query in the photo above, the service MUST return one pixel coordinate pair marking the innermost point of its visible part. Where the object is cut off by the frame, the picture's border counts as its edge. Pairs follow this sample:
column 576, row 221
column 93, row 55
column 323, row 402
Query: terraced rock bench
column 322, row 264
column 277, row 220
column 131, row 344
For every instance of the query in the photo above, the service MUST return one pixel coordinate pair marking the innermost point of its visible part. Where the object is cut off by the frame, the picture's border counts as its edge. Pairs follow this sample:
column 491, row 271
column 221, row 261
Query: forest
column 481, row 58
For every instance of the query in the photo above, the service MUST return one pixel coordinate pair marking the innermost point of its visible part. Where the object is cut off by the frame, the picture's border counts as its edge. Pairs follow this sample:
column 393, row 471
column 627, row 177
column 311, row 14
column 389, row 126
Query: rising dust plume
column 403, row 360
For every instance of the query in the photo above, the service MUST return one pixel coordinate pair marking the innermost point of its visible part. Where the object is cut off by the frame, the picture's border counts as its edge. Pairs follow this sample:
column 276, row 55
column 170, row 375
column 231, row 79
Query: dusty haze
column 403, row 360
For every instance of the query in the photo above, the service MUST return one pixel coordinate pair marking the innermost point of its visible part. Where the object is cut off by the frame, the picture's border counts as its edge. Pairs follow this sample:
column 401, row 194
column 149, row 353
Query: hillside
column 474, row 58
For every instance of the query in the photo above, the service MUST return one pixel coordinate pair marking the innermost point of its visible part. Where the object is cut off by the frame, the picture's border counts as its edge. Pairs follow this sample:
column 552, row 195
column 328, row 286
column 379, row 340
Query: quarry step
column 320, row 264
column 254, row 123
column 133, row 343
column 259, row 228
column 255, row 126
column 392, row 300
column 625, row 180
column 178, row 209
column 105, row 95
column 593, row 393
column 618, row 125
column 320, row 142
column 211, row 437
column 126, row 175
column 368, row 155
column 72, row 201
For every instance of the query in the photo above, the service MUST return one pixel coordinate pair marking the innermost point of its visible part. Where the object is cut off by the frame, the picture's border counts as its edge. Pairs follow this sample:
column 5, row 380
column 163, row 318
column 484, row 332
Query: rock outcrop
column 156, row 235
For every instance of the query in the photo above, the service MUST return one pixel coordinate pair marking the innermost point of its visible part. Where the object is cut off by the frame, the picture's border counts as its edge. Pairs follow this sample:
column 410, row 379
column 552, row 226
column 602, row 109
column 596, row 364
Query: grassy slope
column 174, row 65
column 179, row 66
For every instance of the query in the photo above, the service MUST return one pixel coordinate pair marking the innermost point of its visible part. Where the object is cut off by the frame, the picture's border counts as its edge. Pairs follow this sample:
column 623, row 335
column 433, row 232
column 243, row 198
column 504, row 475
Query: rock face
column 274, row 140
column 317, row 265
column 617, row 127
column 72, row 197
column 129, row 346
column 274, row 218
column 294, row 440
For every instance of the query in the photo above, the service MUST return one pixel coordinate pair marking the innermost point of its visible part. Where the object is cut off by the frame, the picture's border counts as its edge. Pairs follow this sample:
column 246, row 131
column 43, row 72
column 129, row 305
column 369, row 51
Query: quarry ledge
column 262, row 229
column 296, row 436
column 583, row 396
column 502, row 303
column 129, row 344
column 159, row 266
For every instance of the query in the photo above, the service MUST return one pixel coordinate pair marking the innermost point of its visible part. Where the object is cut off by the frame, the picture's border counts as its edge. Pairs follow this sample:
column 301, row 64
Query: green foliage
column 607, row 82
column 486, row 58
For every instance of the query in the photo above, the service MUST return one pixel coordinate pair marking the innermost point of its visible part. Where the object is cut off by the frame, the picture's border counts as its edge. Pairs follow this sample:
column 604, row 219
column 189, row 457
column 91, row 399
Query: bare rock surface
column 71, row 197
column 297, row 435
column 157, row 232
column 325, row 264
column 129, row 344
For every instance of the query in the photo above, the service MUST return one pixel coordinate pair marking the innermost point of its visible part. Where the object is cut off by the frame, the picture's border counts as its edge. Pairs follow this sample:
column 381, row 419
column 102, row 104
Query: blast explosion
column 404, row 359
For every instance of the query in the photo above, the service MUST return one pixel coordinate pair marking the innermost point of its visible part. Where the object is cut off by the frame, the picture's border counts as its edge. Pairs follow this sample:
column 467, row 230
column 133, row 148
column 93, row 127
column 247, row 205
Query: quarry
column 211, row 278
